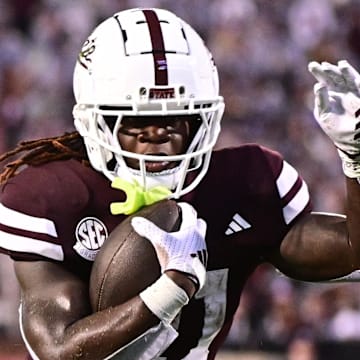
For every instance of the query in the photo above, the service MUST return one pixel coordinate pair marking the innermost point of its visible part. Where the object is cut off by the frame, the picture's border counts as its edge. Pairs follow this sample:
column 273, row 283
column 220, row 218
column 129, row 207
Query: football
column 127, row 263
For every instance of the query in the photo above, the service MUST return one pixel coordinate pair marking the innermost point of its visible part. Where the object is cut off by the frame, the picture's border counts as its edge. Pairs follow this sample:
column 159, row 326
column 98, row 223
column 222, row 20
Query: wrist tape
column 164, row 298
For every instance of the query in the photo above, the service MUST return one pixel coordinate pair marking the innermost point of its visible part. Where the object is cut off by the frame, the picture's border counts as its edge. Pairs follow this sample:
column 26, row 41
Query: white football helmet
column 146, row 62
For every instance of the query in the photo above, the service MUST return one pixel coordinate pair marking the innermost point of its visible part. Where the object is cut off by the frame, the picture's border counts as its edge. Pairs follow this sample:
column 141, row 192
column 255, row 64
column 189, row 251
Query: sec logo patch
column 90, row 235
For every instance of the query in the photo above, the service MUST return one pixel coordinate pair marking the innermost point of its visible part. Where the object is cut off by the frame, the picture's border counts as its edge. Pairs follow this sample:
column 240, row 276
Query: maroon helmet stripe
column 157, row 41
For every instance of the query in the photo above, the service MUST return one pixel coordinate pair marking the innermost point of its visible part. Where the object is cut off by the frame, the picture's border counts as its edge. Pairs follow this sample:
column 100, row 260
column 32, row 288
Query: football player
column 147, row 117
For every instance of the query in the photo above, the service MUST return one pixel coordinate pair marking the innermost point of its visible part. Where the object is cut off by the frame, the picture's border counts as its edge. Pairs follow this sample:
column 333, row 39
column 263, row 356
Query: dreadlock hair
column 41, row 151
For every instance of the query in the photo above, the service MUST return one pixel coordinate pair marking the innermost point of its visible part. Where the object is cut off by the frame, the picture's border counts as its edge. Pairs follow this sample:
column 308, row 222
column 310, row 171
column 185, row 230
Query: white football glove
column 183, row 250
column 337, row 110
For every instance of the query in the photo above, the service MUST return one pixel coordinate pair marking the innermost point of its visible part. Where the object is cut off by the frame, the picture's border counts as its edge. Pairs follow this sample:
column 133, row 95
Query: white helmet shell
column 146, row 62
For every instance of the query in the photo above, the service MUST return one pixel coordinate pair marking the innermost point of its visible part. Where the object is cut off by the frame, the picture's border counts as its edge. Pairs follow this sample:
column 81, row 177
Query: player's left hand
column 337, row 109
column 183, row 250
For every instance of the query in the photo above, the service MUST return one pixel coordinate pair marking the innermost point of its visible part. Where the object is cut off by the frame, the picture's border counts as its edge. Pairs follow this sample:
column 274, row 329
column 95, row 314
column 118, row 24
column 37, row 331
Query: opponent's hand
column 337, row 110
column 183, row 250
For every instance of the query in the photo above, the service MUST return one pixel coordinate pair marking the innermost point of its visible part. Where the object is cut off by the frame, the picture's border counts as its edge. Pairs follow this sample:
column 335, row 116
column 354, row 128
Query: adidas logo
column 237, row 224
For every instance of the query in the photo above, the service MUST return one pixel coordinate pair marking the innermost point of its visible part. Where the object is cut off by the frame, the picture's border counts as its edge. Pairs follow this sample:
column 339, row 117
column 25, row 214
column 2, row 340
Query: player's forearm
column 102, row 333
column 353, row 218
column 92, row 337
column 121, row 325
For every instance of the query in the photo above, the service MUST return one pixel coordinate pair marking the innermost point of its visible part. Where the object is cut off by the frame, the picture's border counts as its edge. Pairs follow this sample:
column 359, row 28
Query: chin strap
column 136, row 197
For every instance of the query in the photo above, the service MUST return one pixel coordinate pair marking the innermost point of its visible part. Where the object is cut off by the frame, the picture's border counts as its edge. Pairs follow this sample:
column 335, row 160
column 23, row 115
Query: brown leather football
column 127, row 262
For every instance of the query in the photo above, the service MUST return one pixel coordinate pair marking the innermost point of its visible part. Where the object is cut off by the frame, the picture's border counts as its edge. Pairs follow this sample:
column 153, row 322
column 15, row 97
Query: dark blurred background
column 262, row 49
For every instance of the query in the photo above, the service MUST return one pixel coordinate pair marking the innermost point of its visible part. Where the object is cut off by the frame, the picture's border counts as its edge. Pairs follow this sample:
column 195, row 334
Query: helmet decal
column 84, row 57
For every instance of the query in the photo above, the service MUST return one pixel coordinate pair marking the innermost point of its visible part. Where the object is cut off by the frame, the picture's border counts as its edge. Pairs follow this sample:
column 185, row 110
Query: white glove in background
column 183, row 250
column 337, row 110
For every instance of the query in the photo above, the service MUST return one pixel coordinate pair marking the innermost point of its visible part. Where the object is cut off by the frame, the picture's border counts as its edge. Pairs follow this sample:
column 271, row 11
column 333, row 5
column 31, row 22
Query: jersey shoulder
column 42, row 205
column 38, row 190
column 252, row 171
column 247, row 165
column 258, row 193
column 249, row 153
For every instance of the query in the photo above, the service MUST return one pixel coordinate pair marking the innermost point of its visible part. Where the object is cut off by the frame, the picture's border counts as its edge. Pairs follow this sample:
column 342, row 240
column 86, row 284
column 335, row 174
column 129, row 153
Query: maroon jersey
column 249, row 199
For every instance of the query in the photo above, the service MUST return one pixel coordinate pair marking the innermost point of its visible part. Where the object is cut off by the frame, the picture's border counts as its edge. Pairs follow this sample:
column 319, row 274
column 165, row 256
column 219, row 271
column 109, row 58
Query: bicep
column 316, row 248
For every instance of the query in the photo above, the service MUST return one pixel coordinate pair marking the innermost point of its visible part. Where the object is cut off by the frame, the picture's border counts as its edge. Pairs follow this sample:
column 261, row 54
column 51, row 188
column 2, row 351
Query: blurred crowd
column 262, row 49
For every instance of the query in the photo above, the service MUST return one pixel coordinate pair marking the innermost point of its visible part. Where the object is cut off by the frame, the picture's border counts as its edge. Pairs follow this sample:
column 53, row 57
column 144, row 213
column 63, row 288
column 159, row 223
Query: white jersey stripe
column 286, row 179
column 18, row 220
column 29, row 245
column 285, row 183
column 297, row 204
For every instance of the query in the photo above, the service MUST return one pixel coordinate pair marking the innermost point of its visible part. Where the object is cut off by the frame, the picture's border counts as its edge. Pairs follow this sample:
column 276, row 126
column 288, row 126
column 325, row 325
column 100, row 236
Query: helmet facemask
column 100, row 133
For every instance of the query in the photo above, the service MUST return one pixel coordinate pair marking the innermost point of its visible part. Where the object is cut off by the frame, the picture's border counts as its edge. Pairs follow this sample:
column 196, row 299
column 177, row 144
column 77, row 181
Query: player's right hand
column 337, row 109
column 183, row 250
